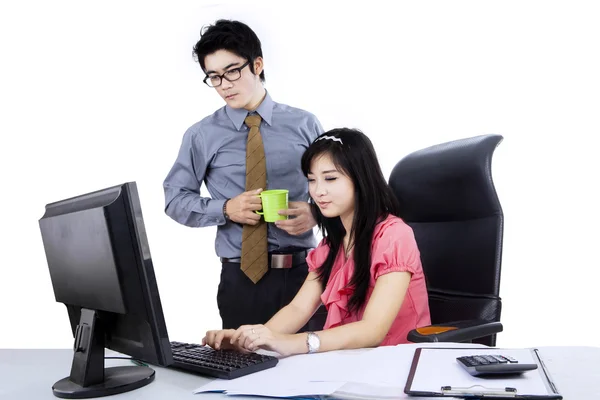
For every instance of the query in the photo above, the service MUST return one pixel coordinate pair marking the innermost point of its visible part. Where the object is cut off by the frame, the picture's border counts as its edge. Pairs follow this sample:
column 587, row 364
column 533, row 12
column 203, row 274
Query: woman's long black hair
column 353, row 154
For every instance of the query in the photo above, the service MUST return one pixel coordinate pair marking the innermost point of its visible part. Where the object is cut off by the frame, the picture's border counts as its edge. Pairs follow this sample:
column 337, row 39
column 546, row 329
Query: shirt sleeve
column 317, row 256
column 315, row 127
column 395, row 250
column 183, row 201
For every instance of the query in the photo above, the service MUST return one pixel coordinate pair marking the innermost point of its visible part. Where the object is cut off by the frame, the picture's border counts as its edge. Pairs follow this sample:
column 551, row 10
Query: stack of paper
column 364, row 373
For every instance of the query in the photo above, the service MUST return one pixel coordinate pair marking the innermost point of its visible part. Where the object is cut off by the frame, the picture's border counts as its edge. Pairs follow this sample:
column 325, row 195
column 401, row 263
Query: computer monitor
column 100, row 266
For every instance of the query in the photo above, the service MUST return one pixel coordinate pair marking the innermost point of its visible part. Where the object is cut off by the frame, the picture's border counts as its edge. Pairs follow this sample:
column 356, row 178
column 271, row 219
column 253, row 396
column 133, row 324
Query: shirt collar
column 265, row 110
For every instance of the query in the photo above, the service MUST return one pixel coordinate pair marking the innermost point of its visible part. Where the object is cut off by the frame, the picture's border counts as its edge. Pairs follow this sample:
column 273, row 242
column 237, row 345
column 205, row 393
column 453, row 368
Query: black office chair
column 447, row 196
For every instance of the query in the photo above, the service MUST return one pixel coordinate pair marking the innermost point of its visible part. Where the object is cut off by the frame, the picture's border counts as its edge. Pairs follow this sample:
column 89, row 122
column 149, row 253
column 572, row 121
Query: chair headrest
column 447, row 182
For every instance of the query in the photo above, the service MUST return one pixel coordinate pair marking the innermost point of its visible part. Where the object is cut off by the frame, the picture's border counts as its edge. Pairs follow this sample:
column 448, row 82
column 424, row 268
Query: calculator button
column 481, row 360
column 500, row 359
column 490, row 359
column 465, row 361
column 470, row 361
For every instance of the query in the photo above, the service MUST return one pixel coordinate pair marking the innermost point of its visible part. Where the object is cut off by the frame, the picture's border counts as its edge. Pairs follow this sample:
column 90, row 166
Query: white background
column 97, row 94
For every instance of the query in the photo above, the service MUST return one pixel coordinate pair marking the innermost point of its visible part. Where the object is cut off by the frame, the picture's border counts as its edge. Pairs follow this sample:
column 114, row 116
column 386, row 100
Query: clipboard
column 434, row 372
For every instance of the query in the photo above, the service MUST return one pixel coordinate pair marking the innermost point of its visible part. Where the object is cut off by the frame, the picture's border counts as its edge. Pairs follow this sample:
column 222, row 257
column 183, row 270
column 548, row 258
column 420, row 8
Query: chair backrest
column 447, row 196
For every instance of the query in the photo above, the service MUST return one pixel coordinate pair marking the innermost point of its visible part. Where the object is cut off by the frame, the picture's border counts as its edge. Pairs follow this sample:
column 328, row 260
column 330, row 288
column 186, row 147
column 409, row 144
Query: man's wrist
column 225, row 210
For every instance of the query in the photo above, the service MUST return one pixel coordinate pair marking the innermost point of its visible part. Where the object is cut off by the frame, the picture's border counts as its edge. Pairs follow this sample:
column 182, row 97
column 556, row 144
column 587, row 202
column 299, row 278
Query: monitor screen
column 101, row 269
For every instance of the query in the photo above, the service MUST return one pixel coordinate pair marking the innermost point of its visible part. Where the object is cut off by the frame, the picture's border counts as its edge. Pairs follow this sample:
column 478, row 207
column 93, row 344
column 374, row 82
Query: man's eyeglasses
column 231, row 75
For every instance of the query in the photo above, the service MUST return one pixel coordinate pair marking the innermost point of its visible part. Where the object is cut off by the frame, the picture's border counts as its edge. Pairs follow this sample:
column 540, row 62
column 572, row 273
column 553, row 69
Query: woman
column 366, row 270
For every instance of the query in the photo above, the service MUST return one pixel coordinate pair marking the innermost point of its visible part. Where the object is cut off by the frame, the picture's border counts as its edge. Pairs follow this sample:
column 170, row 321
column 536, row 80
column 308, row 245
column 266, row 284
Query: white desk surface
column 30, row 373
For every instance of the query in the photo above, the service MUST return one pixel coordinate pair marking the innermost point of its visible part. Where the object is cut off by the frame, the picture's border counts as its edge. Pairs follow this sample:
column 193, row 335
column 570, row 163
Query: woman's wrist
column 298, row 341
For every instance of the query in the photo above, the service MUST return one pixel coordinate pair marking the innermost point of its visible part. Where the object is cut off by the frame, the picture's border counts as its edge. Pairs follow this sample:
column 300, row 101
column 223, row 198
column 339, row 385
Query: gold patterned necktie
column 254, row 237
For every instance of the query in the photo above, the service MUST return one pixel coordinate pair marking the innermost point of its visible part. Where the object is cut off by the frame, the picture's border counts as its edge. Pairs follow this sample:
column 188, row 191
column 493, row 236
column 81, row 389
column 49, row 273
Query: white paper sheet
column 362, row 391
column 302, row 389
column 385, row 367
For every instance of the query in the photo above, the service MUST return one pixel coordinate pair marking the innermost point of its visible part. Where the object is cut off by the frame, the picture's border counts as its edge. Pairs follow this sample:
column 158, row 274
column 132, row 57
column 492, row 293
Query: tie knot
column 252, row 120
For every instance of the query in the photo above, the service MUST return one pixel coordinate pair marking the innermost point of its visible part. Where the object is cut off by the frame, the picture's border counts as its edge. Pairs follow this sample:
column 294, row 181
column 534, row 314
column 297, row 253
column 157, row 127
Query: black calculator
column 491, row 365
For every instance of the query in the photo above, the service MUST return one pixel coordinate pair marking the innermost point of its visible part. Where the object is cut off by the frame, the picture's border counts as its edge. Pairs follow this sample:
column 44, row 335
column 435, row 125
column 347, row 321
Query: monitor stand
column 88, row 377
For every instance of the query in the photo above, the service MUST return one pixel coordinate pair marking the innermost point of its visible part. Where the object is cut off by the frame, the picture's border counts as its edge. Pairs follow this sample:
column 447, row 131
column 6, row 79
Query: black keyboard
column 224, row 364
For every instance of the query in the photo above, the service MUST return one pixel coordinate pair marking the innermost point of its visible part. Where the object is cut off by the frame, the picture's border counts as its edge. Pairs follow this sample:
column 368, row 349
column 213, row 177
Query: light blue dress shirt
column 214, row 151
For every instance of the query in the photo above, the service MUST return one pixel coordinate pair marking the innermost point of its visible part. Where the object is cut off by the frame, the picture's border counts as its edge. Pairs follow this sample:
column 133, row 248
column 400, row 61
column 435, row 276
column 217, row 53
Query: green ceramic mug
column 273, row 201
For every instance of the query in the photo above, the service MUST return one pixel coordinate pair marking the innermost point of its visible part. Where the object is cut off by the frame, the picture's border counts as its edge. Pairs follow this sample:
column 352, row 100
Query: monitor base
column 116, row 380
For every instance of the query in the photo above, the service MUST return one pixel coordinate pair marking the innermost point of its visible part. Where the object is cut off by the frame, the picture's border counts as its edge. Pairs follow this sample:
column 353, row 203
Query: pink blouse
column 393, row 249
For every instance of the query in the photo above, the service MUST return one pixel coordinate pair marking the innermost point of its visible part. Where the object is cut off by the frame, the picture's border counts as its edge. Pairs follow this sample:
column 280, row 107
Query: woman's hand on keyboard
column 253, row 337
column 221, row 339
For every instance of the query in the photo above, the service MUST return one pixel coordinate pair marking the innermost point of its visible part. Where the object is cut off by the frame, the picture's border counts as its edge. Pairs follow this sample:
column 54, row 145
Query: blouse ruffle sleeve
column 317, row 256
column 395, row 250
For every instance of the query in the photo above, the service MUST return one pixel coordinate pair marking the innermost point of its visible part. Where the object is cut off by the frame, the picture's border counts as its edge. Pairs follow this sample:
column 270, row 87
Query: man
column 249, row 145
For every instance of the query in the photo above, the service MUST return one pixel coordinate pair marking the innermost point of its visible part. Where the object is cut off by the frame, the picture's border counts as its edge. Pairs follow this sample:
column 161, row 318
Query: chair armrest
column 457, row 331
